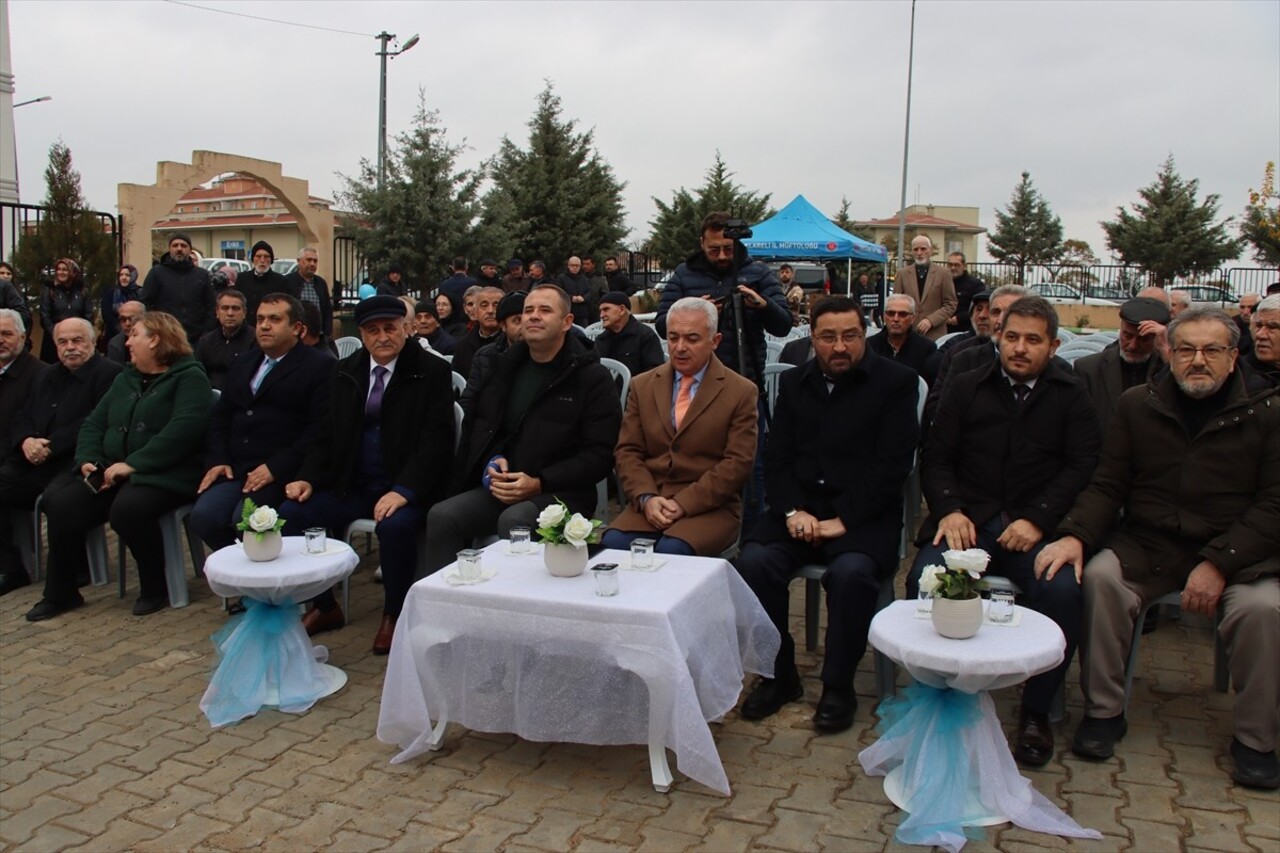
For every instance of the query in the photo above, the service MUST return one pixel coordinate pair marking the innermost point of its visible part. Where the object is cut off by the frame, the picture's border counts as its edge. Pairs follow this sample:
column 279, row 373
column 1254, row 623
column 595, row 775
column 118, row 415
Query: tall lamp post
column 906, row 140
column 39, row 100
column 386, row 37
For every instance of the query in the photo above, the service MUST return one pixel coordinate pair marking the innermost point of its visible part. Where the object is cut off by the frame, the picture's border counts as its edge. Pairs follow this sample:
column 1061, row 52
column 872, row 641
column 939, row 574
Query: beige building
column 951, row 229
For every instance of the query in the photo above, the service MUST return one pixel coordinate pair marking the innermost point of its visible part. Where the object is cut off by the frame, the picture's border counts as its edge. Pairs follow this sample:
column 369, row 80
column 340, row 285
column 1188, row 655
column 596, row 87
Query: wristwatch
column 787, row 515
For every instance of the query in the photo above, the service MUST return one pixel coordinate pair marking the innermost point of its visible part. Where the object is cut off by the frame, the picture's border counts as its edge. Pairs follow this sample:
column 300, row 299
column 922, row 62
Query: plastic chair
column 771, row 374
column 948, row 336
column 459, row 384
column 622, row 375
column 595, row 330
column 347, row 346
column 1221, row 672
column 774, row 352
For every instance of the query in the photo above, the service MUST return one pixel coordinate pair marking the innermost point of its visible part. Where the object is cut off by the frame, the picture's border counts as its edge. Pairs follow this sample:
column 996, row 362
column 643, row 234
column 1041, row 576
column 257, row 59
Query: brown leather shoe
column 1034, row 746
column 317, row 622
column 386, row 632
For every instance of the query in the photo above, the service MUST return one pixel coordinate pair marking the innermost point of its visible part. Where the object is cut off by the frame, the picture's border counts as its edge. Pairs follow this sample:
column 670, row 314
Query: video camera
column 737, row 229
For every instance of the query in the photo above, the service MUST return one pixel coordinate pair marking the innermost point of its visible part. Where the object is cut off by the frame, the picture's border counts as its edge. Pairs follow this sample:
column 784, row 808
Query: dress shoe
column 13, row 579
column 46, row 609
column 1096, row 738
column 147, row 606
column 770, row 694
column 835, row 709
column 386, row 632
column 1034, row 746
column 316, row 621
column 1255, row 769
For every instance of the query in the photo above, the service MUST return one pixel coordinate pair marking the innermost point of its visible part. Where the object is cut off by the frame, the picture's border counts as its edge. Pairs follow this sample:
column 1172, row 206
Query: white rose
column 577, row 529
column 929, row 579
column 551, row 516
column 263, row 519
column 971, row 560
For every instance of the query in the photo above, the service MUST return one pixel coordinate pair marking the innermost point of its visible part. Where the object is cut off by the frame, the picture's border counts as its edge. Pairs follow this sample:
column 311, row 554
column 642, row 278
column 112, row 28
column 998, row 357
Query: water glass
column 469, row 564
column 924, row 602
column 606, row 575
column 521, row 540
column 316, row 540
column 1001, row 607
column 642, row 554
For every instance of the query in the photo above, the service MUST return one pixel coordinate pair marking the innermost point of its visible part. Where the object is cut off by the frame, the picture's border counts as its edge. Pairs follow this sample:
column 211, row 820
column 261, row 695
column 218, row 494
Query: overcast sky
column 1090, row 97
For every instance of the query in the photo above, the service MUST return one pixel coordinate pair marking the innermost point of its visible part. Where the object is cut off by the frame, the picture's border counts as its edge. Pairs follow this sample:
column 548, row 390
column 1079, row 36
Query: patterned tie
column 683, row 399
column 262, row 374
column 373, row 406
column 1020, row 393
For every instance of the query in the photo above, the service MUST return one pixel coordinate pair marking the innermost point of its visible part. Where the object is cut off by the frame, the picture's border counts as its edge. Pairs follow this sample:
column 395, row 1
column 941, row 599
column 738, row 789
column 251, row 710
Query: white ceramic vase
column 958, row 619
column 263, row 547
column 565, row 561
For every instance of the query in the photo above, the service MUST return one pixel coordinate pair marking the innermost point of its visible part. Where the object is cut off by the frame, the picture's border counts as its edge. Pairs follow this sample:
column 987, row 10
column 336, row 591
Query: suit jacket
column 1102, row 378
column 937, row 303
column 276, row 425
column 58, row 403
column 702, row 466
column 15, row 391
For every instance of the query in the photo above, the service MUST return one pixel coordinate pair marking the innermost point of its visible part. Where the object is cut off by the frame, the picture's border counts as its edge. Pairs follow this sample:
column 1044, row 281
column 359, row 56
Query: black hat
column 263, row 244
column 616, row 297
column 511, row 305
column 395, row 267
column 426, row 306
column 379, row 308
column 514, row 262
column 981, row 296
column 180, row 235
column 1273, row 288
column 1144, row 308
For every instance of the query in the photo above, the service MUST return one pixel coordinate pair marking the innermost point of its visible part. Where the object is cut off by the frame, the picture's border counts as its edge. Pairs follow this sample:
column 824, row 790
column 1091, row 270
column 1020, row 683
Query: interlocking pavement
column 103, row 747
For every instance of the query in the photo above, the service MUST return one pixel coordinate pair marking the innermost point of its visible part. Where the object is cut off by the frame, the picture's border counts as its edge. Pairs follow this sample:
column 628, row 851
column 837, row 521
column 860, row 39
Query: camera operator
column 718, row 271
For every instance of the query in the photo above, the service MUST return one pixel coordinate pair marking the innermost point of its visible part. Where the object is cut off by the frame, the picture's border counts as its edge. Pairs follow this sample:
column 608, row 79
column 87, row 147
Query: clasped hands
column 807, row 527
column 510, row 487
column 662, row 512
column 36, row 450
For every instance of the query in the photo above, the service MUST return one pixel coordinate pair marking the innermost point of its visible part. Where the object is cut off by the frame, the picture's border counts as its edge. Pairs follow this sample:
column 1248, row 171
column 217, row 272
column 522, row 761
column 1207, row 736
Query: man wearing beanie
column 262, row 279
column 426, row 326
column 179, row 287
column 510, row 314
column 625, row 338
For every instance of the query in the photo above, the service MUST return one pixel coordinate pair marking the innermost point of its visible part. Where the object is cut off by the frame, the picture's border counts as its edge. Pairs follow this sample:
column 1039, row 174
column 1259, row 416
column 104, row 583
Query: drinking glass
column 316, row 540
column 606, row 575
column 521, row 540
column 924, row 602
column 642, row 554
column 1001, row 607
column 469, row 564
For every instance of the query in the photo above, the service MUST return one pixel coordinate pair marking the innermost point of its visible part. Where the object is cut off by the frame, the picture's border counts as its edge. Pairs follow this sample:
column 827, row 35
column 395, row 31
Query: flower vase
column 262, row 547
column 958, row 619
column 565, row 561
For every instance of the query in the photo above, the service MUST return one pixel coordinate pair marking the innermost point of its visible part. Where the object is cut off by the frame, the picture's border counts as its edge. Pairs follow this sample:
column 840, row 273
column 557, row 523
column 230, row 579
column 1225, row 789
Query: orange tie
column 683, row 399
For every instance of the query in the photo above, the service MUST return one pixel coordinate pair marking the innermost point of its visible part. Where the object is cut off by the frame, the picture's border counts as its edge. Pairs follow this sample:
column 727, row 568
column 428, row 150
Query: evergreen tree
column 558, row 197
column 427, row 211
column 1170, row 233
column 1027, row 232
column 842, row 221
column 677, row 229
column 67, row 229
column 1261, row 226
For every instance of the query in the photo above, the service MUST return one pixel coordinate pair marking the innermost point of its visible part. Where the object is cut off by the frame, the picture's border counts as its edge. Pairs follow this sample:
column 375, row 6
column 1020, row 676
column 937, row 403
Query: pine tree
column 677, row 229
column 1170, row 233
column 427, row 211
column 1027, row 232
column 558, row 197
column 67, row 229
column 1261, row 226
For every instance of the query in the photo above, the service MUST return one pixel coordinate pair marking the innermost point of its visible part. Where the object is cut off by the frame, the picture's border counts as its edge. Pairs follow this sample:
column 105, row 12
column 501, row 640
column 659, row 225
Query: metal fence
column 349, row 270
column 17, row 220
column 1116, row 281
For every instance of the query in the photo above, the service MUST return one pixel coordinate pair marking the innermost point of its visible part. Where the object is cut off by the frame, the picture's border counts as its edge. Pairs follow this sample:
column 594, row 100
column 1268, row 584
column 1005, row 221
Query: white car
column 284, row 266
column 1065, row 294
column 215, row 264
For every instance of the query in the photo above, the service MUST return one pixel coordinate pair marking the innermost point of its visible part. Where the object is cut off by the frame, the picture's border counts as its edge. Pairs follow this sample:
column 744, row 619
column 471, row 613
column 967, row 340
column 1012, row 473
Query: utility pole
column 385, row 38
column 906, row 140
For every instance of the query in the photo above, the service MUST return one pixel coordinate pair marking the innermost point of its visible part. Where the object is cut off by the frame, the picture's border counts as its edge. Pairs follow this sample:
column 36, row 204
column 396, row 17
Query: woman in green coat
column 139, row 456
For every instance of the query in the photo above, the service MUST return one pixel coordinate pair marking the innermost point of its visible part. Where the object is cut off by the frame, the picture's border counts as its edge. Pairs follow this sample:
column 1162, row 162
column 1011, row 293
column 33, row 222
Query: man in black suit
column 309, row 287
column 840, row 448
column 270, row 410
column 900, row 341
column 18, row 370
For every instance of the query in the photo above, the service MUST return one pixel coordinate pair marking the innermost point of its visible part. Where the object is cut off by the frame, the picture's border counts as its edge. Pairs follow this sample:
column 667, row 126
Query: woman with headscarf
column 64, row 297
column 127, row 289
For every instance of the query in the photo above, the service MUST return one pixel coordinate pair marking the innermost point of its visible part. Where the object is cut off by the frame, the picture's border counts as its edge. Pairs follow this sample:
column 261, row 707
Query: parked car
column 1211, row 294
column 810, row 276
column 215, row 264
column 284, row 266
column 1065, row 294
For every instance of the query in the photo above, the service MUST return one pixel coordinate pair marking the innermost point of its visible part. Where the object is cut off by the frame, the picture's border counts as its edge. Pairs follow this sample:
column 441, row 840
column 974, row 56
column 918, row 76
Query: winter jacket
column 59, row 401
column 57, row 303
column 637, row 346
column 216, row 351
column 255, row 287
column 13, row 300
column 293, row 285
column 578, row 285
column 183, row 290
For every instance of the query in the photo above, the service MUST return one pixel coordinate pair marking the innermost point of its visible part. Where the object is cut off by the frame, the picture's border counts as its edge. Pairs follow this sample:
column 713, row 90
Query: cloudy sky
column 1090, row 97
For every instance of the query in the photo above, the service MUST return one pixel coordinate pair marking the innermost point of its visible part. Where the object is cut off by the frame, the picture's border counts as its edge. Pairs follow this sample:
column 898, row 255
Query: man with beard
column 485, row 331
column 261, row 280
column 574, row 283
column 899, row 339
column 1186, row 497
column 179, row 287
column 1132, row 360
column 1265, row 358
column 842, row 442
column 932, row 288
column 966, row 287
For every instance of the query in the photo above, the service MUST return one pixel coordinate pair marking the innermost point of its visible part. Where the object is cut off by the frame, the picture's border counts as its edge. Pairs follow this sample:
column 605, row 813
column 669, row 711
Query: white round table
column 942, row 752
column 266, row 657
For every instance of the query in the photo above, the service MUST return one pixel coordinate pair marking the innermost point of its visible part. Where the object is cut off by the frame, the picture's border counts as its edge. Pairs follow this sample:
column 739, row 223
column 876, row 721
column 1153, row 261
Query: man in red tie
column 687, row 443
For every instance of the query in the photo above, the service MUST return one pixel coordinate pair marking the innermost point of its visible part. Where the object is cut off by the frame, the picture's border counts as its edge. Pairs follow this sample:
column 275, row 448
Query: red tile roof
column 923, row 220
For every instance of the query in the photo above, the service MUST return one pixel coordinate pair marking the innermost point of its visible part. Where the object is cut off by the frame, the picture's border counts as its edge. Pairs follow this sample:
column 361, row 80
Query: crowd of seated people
column 1096, row 486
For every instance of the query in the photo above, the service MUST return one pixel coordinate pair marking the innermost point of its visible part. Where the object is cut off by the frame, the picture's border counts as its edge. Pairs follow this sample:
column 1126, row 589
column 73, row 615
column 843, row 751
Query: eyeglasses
column 719, row 251
column 1213, row 352
column 897, row 313
column 830, row 338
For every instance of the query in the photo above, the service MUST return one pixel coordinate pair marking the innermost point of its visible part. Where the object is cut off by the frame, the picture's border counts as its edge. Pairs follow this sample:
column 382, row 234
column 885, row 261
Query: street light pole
column 906, row 139
column 39, row 100
column 385, row 37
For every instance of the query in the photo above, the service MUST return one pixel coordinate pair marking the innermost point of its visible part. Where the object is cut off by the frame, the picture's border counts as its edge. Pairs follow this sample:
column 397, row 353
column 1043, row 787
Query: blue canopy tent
column 801, row 232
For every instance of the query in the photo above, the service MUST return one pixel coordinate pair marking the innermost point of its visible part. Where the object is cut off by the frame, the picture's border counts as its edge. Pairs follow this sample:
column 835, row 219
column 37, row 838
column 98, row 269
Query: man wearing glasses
column 1194, row 520
column 842, row 443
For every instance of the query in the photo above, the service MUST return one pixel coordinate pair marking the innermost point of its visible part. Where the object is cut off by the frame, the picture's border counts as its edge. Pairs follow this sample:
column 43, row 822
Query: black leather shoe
column 46, row 609
column 147, row 606
column 770, row 694
column 835, row 709
column 1255, row 769
column 1096, row 738
column 14, row 579
column 1034, row 746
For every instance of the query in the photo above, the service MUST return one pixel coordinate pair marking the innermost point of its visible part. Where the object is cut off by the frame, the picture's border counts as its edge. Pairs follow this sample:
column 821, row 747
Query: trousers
column 20, row 484
column 217, row 510
column 620, row 540
column 456, row 523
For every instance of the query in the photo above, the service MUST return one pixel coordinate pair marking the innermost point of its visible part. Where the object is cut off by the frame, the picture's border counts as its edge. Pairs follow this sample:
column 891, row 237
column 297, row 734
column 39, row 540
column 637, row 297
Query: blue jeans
column 620, row 540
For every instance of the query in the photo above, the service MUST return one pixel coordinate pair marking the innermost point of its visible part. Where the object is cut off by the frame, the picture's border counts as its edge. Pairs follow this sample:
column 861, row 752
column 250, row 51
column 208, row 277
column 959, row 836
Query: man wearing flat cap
column 426, row 326
column 625, row 338
column 1134, row 359
column 384, row 452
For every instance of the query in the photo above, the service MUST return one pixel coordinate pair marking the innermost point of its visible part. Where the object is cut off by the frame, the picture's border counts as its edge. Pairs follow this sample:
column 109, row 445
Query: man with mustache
column 1265, row 358
column 1193, row 461
column 1132, row 360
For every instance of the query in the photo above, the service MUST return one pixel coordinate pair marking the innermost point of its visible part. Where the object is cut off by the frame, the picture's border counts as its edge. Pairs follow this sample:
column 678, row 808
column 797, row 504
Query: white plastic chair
column 346, row 346
column 771, row 374
column 774, row 352
column 622, row 375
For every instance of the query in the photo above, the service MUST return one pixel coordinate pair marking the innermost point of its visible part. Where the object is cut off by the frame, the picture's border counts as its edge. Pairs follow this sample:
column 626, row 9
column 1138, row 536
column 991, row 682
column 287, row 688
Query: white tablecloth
column 549, row 660
column 293, row 576
column 944, row 757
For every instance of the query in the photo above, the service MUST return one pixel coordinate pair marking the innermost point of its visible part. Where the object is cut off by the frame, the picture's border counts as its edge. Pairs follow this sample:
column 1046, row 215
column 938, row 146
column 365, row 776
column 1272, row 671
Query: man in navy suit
column 272, row 403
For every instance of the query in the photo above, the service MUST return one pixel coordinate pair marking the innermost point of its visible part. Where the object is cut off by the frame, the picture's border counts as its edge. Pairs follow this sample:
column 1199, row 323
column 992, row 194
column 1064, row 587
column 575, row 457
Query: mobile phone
column 95, row 479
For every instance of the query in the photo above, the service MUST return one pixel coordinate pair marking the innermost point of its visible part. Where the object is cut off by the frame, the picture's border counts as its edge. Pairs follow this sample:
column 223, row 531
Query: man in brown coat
column 687, row 443
column 1193, row 460
column 931, row 286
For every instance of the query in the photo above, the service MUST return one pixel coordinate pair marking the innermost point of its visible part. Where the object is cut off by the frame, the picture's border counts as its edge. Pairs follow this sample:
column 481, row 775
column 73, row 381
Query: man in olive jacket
column 1193, row 460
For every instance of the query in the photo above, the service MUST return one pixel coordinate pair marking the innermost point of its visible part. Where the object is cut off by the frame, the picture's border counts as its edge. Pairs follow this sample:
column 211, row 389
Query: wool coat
column 936, row 303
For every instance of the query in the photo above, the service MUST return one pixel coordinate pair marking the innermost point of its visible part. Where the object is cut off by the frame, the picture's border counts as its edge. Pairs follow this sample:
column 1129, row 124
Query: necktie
column 683, row 399
column 262, row 374
column 1020, row 393
column 373, row 406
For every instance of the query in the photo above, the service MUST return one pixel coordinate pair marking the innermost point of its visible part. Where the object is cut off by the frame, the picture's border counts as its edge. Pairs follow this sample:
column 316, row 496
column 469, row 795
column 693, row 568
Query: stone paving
column 103, row 747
